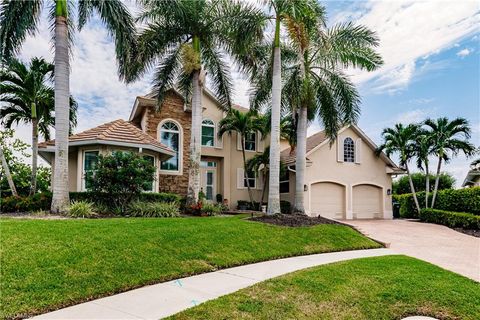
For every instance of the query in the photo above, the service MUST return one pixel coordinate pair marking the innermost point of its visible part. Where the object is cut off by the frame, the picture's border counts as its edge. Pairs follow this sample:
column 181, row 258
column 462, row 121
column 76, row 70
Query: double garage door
column 328, row 199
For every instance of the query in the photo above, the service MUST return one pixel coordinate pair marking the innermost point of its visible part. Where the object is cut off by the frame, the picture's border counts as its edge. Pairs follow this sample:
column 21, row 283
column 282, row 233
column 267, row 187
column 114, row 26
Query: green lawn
column 47, row 264
column 390, row 287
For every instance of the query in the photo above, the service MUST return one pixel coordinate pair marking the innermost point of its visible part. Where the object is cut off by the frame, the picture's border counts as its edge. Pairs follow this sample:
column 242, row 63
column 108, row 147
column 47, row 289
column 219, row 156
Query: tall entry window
column 208, row 133
column 170, row 136
column 90, row 159
column 348, row 150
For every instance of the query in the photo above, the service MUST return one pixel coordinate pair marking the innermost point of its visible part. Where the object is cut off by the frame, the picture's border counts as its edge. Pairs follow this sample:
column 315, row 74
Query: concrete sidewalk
column 165, row 299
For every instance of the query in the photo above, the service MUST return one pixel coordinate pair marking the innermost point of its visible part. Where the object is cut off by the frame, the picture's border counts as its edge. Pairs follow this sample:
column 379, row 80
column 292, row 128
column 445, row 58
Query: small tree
column 121, row 175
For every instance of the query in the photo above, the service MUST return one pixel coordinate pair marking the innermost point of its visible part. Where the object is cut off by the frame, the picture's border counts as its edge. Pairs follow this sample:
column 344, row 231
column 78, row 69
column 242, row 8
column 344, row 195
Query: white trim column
column 349, row 202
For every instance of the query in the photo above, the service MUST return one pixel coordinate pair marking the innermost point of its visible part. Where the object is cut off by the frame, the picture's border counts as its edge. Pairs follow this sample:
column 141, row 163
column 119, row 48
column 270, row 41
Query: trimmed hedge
column 451, row 219
column 460, row 200
column 42, row 201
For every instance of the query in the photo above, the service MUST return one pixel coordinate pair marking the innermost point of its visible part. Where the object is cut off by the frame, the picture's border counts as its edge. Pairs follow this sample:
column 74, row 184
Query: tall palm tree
column 449, row 139
column 185, row 39
column 401, row 139
column 269, row 84
column 19, row 18
column 243, row 124
column 29, row 99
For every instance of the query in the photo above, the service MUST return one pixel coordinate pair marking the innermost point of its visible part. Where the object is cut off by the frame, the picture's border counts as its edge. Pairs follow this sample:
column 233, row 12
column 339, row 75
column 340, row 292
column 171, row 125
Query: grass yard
column 390, row 287
column 48, row 264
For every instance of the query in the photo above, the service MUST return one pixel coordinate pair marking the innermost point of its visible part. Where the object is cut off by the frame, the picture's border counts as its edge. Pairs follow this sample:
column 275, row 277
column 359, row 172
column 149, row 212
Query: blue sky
column 432, row 64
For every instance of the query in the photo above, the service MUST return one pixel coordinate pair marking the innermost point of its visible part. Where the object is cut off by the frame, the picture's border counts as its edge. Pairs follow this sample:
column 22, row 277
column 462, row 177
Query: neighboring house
column 336, row 179
column 473, row 177
column 344, row 180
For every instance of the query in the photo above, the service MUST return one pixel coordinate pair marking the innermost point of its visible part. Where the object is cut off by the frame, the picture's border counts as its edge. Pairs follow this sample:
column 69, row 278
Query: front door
column 208, row 172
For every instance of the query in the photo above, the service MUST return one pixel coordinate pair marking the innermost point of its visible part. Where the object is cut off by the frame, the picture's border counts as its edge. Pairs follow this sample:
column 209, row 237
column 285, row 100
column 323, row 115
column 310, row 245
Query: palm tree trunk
column 427, row 183
column 60, row 198
column 195, row 141
column 265, row 177
column 33, row 184
column 274, row 181
column 437, row 179
column 412, row 188
column 300, row 162
column 11, row 184
column 245, row 172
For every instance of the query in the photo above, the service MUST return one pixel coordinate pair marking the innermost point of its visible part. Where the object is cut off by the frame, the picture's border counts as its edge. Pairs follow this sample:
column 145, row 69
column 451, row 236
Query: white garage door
column 367, row 202
column 328, row 200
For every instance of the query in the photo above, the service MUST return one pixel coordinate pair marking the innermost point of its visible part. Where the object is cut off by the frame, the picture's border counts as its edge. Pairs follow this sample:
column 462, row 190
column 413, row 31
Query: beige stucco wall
column 326, row 168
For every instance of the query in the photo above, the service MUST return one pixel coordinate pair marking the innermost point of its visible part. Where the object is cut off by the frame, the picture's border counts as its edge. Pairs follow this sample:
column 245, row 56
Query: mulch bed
column 475, row 233
column 293, row 220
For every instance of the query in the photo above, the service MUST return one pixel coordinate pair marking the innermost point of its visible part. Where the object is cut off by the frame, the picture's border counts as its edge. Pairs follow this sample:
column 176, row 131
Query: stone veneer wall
column 172, row 108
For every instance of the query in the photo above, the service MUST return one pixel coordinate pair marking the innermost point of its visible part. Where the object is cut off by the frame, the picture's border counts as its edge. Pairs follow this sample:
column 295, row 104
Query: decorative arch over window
column 208, row 133
column 348, row 150
column 170, row 134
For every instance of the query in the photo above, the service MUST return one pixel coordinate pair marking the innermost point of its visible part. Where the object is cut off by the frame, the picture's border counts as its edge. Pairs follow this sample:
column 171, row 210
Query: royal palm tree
column 19, row 18
column 243, row 123
column 29, row 99
column 401, row 139
column 449, row 139
column 267, row 82
column 187, row 39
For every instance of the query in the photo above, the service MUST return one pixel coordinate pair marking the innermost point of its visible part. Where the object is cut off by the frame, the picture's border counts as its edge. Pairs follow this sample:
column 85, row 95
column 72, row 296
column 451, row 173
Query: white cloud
column 411, row 30
column 464, row 52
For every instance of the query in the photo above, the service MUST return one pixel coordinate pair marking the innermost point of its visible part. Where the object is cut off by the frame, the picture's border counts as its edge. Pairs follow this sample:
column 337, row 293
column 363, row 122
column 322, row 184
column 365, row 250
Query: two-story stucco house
column 339, row 183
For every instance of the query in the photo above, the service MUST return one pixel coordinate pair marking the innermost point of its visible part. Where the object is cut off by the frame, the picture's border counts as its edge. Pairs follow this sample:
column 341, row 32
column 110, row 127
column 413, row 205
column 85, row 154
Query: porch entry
column 208, row 179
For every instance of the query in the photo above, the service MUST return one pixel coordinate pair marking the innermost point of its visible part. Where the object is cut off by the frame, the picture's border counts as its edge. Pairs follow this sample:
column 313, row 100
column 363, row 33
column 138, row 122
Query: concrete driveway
column 436, row 244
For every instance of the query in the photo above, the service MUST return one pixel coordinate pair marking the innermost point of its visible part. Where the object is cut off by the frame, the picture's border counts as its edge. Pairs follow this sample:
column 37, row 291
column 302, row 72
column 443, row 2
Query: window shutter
column 358, row 151
column 239, row 142
column 218, row 140
column 340, row 149
column 240, row 177
column 260, row 146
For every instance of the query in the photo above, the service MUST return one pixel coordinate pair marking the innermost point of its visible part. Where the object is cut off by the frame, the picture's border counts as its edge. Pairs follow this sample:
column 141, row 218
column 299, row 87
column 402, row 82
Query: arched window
column 348, row 150
column 170, row 136
column 208, row 133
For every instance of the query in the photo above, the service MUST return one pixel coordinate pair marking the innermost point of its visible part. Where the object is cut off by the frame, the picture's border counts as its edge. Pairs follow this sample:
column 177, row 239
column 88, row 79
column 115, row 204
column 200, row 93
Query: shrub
column 211, row 209
column 81, row 209
column 285, row 207
column 451, row 219
column 461, row 200
column 39, row 201
column 153, row 209
column 121, row 175
column 402, row 185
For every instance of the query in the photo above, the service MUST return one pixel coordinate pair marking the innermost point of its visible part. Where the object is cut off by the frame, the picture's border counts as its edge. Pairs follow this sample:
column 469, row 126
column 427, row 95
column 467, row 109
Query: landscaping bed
column 470, row 232
column 293, row 220
column 49, row 264
column 389, row 287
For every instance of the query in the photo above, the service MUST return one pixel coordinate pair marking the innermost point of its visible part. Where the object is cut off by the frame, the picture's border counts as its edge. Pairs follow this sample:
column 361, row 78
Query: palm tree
column 11, row 184
column 29, row 99
column 288, row 131
column 401, row 139
column 423, row 148
column 19, row 18
column 447, row 142
column 257, row 163
column 186, row 39
column 243, row 124
column 269, row 84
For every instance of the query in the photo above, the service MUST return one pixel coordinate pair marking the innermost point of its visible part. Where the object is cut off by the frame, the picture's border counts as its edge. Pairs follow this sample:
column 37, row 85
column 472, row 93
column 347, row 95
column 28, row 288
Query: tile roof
column 116, row 131
column 312, row 141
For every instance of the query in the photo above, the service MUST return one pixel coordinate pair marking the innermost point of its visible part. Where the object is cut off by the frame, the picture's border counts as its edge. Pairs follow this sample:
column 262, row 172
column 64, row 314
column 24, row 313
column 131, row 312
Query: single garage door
column 328, row 200
column 367, row 202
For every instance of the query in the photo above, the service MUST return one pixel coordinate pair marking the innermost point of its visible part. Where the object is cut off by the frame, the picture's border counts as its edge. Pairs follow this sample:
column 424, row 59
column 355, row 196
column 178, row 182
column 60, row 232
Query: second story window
column 208, row 133
column 251, row 141
column 348, row 150
column 170, row 136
